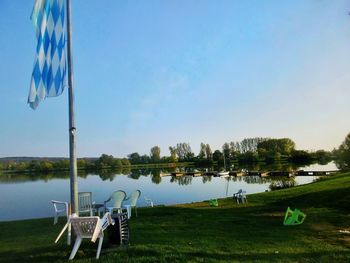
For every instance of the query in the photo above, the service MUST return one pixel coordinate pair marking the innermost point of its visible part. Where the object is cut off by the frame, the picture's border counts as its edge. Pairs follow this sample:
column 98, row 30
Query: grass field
column 199, row 233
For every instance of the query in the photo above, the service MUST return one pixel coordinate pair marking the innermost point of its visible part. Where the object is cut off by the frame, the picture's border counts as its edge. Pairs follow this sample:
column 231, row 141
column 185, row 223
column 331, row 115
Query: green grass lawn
column 199, row 233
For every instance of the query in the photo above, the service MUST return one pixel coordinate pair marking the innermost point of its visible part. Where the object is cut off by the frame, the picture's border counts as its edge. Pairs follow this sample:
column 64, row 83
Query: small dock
column 195, row 174
column 212, row 173
column 280, row 173
column 252, row 173
column 177, row 174
column 314, row 173
column 237, row 173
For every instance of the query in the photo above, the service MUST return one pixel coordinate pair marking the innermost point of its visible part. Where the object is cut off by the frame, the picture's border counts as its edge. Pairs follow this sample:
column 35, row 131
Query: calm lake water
column 24, row 197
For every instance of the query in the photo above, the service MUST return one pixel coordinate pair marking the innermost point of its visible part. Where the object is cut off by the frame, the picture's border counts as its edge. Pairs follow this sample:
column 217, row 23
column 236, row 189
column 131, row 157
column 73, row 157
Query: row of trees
column 249, row 150
column 105, row 161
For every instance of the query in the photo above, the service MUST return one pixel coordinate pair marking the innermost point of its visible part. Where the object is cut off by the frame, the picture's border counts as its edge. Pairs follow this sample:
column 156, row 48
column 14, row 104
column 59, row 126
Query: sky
column 153, row 72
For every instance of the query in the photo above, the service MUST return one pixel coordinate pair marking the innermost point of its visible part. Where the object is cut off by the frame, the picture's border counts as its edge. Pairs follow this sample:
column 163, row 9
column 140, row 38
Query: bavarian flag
column 49, row 72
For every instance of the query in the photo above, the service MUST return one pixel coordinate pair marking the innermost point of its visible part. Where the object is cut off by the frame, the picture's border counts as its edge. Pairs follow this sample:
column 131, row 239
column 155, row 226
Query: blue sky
column 161, row 72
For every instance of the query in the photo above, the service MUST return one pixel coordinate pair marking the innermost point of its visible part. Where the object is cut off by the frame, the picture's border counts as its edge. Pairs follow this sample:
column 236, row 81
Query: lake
column 29, row 196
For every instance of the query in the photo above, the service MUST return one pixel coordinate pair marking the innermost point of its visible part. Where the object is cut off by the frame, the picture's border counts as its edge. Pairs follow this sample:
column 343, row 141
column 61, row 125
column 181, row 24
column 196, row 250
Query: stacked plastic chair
column 133, row 202
column 119, row 234
column 115, row 201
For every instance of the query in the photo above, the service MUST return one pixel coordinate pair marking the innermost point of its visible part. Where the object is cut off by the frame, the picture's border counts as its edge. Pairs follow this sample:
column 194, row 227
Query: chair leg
column 55, row 219
column 128, row 210
column 69, row 234
column 135, row 211
column 75, row 248
column 99, row 247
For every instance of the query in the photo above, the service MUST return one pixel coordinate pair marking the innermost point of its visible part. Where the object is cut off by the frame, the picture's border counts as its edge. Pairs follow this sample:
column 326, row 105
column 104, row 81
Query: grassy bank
column 198, row 233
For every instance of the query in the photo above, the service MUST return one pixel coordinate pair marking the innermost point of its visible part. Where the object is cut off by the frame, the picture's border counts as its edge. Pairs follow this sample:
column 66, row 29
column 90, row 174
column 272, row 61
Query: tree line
column 105, row 161
column 247, row 151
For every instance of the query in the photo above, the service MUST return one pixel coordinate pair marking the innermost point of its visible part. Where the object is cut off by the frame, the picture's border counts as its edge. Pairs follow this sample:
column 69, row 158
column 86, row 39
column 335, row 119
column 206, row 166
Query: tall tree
column 201, row 154
column 284, row 146
column 155, row 154
column 145, row 159
column 184, row 152
column 134, row 158
column 234, row 150
column 218, row 156
column 343, row 154
column 226, row 150
column 208, row 152
column 173, row 157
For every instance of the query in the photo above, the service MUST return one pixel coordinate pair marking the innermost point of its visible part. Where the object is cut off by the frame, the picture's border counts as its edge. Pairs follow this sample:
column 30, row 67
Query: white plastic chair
column 87, row 227
column 85, row 203
column 60, row 208
column 149, row 201
column 115, row 201
column 133, row 202
column 240, row 196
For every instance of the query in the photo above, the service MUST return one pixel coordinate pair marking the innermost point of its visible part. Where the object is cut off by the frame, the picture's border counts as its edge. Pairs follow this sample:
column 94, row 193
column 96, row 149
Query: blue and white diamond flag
column 49, row 73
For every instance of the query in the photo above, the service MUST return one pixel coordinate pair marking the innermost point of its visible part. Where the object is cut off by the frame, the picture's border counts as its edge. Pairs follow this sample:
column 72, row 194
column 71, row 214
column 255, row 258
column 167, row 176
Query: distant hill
column 29, row 159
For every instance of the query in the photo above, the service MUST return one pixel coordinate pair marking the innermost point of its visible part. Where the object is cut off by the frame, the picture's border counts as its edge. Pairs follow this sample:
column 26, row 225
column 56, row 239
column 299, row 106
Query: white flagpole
column 72, row 129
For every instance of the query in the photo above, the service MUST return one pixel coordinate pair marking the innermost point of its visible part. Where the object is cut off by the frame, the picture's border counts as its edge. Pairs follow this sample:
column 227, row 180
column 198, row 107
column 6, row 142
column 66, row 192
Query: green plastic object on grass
column 213, row 202
column 293, row 218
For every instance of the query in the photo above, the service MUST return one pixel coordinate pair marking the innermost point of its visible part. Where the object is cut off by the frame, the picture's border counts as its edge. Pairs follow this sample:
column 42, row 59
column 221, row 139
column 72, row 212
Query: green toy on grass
column 213, row 202
column 293, row 218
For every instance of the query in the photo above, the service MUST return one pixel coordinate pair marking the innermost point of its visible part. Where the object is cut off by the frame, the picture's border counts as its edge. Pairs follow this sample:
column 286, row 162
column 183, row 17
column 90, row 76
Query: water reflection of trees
column 32, row 177
column 154, row 174
column 157, row 179
column 278, row 166
column 274, row 181
column 255, row 179
column 135, row 174
column 206, row 179
column 182, row 180
column 282, row 183
column 107, row 175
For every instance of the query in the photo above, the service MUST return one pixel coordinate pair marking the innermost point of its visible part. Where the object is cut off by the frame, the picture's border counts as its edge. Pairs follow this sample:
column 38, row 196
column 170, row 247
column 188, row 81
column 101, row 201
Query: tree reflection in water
column 107, row 174
column 206, row 179
column 282, row 183
column 154, row 174
column 182, row 180
column 156, row 178
column 31, row 177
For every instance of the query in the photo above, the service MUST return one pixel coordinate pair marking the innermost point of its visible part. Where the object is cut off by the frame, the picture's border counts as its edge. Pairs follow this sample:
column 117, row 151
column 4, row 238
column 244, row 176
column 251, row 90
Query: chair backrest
column 85, row 227
column 117, row 198
column 106, row 220
column 134, row 197
column 58, row 205
column 85, row 201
